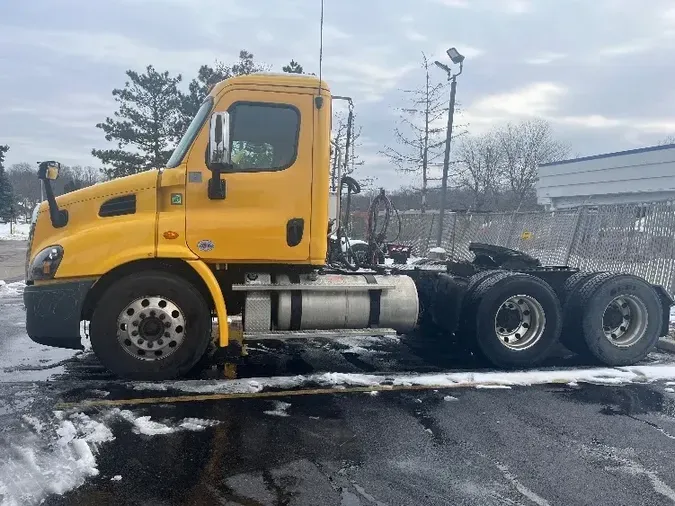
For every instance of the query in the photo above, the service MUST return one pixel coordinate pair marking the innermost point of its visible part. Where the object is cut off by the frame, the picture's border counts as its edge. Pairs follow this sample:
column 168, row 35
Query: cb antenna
column 319, row 99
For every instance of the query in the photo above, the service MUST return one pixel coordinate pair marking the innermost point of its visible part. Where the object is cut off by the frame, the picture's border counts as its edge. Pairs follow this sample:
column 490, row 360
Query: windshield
column 190, row 134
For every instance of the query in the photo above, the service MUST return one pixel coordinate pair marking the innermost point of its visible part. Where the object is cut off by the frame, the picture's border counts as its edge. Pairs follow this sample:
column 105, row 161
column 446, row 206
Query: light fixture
column 455, row 56
column 443, row 66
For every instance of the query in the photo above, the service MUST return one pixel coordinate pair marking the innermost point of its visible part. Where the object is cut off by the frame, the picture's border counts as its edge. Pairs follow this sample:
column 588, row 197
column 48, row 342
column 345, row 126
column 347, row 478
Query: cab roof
column 272, row 79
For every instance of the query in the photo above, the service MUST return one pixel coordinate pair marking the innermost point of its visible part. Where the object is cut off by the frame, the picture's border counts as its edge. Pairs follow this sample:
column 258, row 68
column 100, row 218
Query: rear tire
column 621, row 318
column 151, row 326
column 517, row 318
column 572, row 335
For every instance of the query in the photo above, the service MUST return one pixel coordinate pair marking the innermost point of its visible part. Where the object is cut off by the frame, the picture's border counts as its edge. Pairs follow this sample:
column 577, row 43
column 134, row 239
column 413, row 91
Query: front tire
column 151, row 326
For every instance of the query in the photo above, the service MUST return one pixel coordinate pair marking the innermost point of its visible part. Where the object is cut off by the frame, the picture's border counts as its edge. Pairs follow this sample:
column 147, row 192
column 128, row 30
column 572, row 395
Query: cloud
column 264, row 36
column 370, row 80
column 545, row 58
column 535, row 99
column 506, row 6
column 77, row 111
column 332, row 33
column 108, row 48
column 648, row 125
column 462, row 4
column 414, row 35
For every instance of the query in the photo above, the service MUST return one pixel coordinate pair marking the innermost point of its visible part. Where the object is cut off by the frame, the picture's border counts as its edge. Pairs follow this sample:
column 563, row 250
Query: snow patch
column 117, row 477
column 280, row 409
column 670, row 390
column 494, row 387
column 497, row 379
column 146, row 426
column 36, row 424
column 197, row 424
column 11, row 289
column 19, row 232
column 450, row 398
column 58, row 459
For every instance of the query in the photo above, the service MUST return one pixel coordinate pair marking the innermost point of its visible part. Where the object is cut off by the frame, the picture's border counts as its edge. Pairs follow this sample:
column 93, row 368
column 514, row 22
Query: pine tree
column 147, row 125
column 6, row 195
column 209, row 76
column 293, row 68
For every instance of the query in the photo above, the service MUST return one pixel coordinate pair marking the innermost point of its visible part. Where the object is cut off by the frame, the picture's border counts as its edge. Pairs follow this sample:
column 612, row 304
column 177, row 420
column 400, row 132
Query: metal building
column 627, row 177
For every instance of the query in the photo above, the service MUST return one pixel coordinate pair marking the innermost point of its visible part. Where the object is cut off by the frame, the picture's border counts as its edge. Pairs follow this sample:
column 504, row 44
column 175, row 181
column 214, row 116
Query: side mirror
column 219, row 139
column 49, row 171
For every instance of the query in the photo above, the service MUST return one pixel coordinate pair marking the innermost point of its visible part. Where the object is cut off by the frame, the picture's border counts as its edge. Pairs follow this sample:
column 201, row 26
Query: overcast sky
column 601, row 71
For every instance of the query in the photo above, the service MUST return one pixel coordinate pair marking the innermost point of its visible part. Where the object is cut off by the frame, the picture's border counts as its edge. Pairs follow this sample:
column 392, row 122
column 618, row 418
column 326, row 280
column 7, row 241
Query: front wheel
column 151, row 326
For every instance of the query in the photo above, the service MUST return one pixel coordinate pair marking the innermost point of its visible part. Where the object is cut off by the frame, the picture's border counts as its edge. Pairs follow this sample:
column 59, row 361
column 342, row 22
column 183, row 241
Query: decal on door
column 205, row 245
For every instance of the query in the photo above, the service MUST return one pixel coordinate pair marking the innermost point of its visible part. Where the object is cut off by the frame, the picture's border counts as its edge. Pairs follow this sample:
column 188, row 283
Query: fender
column 217, row 295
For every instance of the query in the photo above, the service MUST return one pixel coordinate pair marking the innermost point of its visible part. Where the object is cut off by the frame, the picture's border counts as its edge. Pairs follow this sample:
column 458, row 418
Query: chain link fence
column 638, row 239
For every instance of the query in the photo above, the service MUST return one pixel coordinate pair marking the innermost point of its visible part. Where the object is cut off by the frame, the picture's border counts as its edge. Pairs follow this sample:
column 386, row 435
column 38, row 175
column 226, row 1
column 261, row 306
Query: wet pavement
column 560, row 444
column 12, row 260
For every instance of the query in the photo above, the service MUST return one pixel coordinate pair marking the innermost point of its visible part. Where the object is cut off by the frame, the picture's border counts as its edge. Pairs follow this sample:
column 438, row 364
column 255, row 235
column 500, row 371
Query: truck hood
column 122, row 186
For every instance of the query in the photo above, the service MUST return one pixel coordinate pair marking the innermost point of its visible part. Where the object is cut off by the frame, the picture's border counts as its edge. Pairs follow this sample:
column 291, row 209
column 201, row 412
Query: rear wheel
column 517, row 319
column 151, row 326
column 571, row 336
column 621, row 318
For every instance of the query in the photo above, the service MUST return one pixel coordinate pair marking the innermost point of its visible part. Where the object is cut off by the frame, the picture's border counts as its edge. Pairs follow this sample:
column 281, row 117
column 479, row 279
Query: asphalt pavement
column 12, row 260
column 281, row 440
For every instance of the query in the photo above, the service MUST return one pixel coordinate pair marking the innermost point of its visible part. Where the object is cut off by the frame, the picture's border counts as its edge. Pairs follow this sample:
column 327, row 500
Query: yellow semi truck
column 237, row 223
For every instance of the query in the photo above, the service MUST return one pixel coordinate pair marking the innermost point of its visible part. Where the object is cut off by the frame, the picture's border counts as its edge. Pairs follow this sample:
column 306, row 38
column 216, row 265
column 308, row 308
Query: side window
column 264, row 136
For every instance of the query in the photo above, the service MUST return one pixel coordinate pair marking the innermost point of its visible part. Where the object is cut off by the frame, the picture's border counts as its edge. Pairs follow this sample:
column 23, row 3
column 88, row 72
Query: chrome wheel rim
column 624, row 321
column 151, row 328
column 520, row 322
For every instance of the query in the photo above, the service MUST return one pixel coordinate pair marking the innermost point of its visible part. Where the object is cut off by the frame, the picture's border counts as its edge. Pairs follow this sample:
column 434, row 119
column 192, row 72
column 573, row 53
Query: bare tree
column 479, row 162
column 420, row 133
column 666, row 141
column 523, row 147
column 340, row 138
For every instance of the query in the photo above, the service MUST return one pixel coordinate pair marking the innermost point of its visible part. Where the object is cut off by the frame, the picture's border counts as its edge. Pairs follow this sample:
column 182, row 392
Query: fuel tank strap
column 375, row 299
column 296, row 304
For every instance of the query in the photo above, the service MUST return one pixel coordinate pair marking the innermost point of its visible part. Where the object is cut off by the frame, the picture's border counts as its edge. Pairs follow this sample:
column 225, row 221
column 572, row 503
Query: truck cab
column 244, row 196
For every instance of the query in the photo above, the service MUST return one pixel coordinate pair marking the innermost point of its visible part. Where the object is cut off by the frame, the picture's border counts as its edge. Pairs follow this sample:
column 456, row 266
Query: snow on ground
column 19, row 232
column 51, row 457
column 55, row 455
column 497, row 379
column 146, row 426
column 11, row 289
column 280, row 409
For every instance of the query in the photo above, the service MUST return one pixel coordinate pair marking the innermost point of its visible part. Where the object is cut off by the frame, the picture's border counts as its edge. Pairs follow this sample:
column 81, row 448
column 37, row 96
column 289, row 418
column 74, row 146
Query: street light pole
column 456, row 58
column 446, row 159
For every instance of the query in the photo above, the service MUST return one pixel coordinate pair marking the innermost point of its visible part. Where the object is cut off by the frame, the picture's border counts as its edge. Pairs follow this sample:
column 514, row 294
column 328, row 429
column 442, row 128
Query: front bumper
column 53, row 313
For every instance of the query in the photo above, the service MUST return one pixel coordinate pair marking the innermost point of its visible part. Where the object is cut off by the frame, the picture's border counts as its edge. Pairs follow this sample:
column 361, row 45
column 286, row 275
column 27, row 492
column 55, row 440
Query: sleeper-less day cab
column 237, row 224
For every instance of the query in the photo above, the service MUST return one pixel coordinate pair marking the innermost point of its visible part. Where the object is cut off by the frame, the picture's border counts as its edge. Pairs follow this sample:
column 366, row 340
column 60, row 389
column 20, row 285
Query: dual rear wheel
column 516, row 319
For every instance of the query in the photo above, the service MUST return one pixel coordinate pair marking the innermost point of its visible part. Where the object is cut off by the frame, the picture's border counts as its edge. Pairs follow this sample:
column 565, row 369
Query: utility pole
column 458, row 59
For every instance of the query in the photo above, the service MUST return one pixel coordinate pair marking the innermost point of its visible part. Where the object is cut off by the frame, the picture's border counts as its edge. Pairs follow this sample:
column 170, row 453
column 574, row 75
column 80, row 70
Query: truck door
column 265, row 215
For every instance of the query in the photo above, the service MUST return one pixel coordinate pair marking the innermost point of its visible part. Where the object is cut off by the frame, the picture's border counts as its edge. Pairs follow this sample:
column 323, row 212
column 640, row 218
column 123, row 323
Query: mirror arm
column 58, row 217
column 217, row 189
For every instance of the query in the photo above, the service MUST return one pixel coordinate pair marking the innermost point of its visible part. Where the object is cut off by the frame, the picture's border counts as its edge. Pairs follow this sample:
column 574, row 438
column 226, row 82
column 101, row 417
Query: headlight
column 31, row 233
column 46, row 263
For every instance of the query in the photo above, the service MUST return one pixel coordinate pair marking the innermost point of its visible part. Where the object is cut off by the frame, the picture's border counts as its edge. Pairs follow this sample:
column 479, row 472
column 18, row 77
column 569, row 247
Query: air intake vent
column 118, row 206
